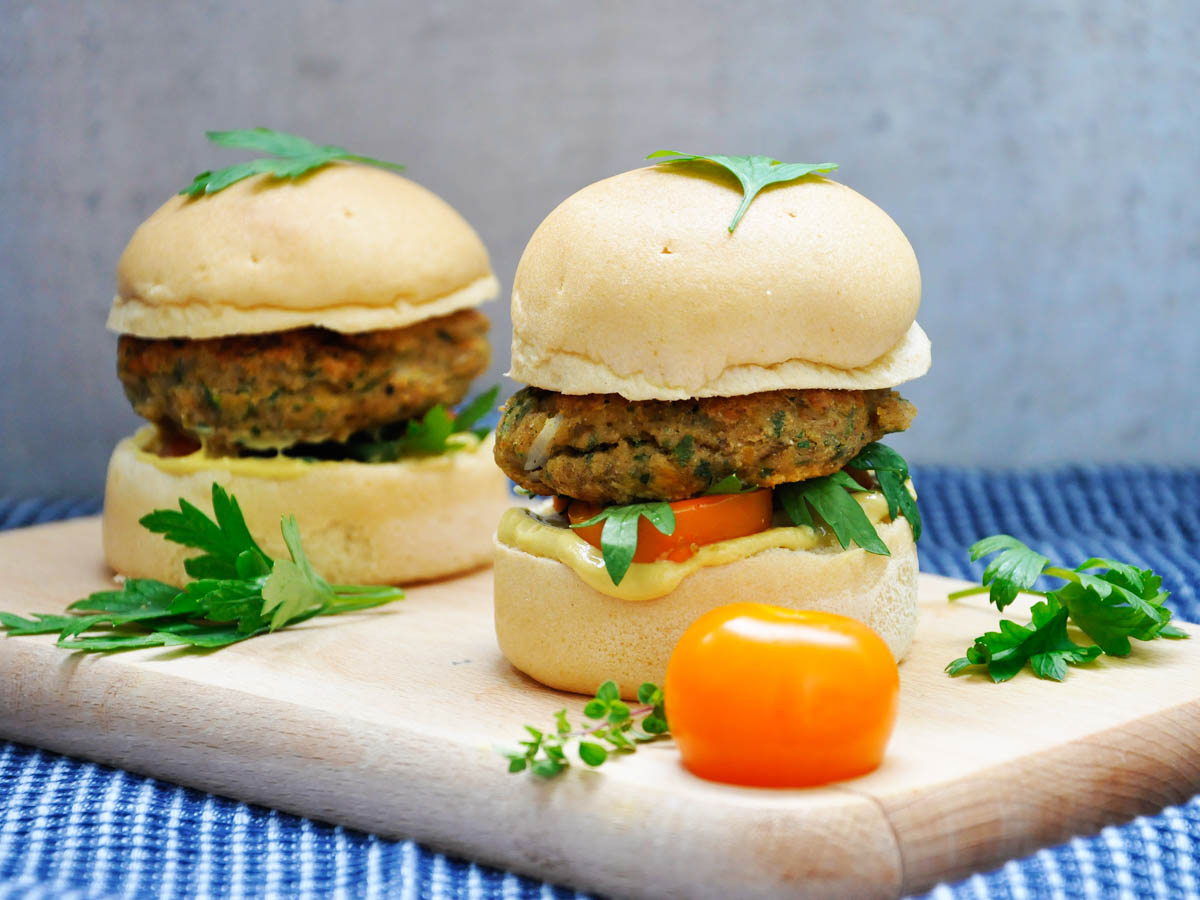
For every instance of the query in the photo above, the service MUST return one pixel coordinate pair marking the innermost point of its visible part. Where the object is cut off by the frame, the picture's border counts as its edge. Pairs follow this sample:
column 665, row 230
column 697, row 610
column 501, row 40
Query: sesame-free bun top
column 634, row 285
column 347, row 247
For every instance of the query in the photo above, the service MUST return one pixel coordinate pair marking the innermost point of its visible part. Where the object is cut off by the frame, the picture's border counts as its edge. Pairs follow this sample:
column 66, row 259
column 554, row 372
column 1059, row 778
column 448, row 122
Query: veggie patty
column 273, row 390
column 605, row 449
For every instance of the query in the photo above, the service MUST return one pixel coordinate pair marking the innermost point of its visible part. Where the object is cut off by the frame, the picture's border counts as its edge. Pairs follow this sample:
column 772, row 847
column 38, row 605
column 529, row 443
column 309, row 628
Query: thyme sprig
column 620, row 727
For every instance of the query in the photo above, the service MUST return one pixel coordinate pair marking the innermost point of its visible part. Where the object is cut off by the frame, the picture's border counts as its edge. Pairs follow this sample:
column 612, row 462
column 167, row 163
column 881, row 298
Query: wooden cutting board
column 387, row 721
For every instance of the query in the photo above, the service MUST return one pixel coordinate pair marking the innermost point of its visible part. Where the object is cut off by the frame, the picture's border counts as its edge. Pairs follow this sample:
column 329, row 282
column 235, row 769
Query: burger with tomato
column 300, row 339
column 703, row 416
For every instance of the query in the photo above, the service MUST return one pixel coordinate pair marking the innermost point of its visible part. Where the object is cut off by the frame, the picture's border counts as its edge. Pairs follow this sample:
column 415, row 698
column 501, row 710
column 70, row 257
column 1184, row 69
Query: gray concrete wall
column 1041, row 156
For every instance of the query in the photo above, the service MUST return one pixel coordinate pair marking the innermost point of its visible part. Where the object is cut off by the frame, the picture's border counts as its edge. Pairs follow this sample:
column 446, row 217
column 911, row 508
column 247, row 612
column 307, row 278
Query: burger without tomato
column 300, row 342
column 704, row 409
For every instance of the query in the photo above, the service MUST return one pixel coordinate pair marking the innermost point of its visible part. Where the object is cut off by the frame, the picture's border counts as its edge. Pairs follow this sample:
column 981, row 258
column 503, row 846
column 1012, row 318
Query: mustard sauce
column 279, row 467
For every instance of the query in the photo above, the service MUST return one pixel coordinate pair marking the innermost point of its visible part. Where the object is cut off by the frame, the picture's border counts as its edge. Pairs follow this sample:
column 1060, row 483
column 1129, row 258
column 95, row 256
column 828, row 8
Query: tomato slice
column 699, row 521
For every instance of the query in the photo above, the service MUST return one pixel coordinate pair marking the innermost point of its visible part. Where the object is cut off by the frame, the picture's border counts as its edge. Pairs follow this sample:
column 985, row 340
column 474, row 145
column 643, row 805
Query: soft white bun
column 634, row 285
column 361, row 523
column 567, row 635
column 348, row 247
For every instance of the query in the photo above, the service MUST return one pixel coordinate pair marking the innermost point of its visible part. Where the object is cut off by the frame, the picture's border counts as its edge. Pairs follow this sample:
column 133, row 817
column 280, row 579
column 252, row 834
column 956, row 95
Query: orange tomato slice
column 699, row 521
column 771, row 697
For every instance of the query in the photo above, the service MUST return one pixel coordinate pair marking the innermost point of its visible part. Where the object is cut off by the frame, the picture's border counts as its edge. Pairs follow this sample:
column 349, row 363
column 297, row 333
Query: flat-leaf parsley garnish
column 731, row 484
column 288, row 156
column 431, row 434
column 753, row 172
column 619, row 537
column 620, row 729
column 829, row 497
column 239, row 591
column 1117, row 603
column 891, row 471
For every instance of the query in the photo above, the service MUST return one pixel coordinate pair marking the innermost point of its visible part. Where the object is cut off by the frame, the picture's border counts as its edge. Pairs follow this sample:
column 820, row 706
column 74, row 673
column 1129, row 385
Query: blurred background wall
column 1041, row 156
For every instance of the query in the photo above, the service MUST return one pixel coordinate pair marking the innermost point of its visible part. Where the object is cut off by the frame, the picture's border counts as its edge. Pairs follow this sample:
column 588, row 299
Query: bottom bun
column 361, row 523
column 556, row 629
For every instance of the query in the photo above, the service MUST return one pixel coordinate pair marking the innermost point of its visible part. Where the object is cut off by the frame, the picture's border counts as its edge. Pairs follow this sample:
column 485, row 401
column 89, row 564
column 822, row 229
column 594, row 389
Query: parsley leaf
column 1016, row 569
column 238, row 592
column 289, row 156
column 138, row 595
column 428, row 435
column 829, row 497
column 41, row 623
column 1122, row 603
column 1111, row 607
column 219, row 600
column 1043, row 644
column 141, row 601
column 753, row 172
column 544, row 753
column 293, row 587
column 619, row 537
column 731, row 484
column 227, row 542
column 467, row 418
column 266, row 140
column 116, row 641
column 891, row 471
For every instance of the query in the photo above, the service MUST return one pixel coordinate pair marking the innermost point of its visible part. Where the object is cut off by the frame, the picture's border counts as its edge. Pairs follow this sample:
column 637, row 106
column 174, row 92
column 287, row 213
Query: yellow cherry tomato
column 765, row 696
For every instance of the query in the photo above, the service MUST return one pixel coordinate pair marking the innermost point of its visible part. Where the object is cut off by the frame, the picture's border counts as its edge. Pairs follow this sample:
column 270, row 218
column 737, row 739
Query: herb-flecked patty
column 605, row 449
column 310, row 384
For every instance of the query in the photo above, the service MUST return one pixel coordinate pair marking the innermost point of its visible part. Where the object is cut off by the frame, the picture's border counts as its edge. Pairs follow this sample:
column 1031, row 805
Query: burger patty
column 310, row 384
column 602, row 448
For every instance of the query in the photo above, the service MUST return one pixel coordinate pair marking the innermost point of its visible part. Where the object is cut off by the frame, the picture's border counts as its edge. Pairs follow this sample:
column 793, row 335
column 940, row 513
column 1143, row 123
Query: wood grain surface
column 387, row 721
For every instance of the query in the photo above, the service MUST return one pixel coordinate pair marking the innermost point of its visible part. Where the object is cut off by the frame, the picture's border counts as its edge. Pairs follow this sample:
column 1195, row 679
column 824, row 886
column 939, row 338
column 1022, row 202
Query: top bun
column 347, row 247
column 635, row 286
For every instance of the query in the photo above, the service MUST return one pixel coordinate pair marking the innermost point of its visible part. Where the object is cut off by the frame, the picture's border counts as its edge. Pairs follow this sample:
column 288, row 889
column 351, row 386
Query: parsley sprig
column 753, row 172
column 830, row 498
column 289, row 156
column 891, row 472
column 229, row 549
column 621, row 728
column 428, row 435
column 619, row 537
column 238, row 592
column 731, row 484
column 1118, row 603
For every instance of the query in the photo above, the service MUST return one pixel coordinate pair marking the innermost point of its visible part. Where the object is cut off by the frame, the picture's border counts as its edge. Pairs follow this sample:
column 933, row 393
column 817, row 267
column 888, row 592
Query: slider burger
column 299, row 341
column 704, row 407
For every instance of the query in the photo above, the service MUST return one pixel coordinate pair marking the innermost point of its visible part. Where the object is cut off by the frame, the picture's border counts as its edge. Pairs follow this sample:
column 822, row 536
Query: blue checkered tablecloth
column 74, row 829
